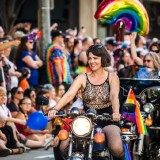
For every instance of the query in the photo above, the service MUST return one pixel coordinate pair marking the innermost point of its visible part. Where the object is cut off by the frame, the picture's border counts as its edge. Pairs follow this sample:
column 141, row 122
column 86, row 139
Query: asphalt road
column 34, row 154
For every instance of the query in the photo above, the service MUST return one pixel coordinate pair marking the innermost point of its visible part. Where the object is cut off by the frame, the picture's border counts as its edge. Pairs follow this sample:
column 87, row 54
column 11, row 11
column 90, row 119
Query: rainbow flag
column 139, row 120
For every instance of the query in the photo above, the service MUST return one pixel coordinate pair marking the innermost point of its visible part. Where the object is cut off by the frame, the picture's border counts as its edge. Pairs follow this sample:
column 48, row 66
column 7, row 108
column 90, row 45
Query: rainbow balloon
column 131, row 12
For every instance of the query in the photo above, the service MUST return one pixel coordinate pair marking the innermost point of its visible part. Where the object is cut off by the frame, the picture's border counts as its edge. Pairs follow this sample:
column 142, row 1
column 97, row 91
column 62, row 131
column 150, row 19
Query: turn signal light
column 124, row 130
column 148, row 122
column 99, row 137
column 63, row 134
column 58, row 121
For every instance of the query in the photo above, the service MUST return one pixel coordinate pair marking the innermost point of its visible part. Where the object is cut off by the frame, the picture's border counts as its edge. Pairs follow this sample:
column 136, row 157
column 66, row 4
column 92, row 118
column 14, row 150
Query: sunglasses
column 20, row 92
column 156, row 51
column 27, row 103
column 147, row 60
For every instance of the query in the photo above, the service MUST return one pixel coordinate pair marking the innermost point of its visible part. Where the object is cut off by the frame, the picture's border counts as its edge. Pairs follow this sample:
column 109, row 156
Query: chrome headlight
column 81, row 126
column 148, row 108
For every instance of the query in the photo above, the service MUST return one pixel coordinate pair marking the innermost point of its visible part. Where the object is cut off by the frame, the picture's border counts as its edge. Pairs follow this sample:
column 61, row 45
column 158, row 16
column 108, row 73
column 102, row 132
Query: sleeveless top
column 96, row 96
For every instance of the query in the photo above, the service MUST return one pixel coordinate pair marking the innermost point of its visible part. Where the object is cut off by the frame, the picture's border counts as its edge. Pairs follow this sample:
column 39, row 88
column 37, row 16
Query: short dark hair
column 100, row 51
column 56, row 33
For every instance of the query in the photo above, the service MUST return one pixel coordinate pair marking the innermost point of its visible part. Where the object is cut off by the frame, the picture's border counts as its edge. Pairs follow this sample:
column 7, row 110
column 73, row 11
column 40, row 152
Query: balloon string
column 119, row 33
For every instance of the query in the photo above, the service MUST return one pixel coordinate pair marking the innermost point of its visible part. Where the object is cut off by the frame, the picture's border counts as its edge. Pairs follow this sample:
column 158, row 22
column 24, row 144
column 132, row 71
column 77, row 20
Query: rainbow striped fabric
column 127, row 152
column 55, row 55
column 139, row 120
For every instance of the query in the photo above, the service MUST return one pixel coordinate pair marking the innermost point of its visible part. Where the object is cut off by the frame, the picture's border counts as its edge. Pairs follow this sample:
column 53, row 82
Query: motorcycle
column 87, row 140
column 147, row 93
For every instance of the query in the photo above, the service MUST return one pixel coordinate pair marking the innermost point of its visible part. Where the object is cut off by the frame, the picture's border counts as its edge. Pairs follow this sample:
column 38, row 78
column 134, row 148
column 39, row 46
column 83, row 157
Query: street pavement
column 34, row 154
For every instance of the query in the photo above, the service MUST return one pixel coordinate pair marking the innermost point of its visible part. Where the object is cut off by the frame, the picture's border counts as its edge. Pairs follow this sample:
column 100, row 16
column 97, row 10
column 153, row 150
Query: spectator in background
column 110, row 45
column 150, row 60
column 23, row 79
column 96, row 41
column 25, row 106
column 16, row 36
column 124, row 60
column 140, row 54
column 155, row 47
column 30, row 92
column 16, row 96
column 82, row 58
column 14, row 75
column 140, row 43
column 27, row 58
column 58, row 69
column 60, row 91
column 77, row 48
column 42, row 95
column 71, row 32
column 52, row 94
column 68, row 42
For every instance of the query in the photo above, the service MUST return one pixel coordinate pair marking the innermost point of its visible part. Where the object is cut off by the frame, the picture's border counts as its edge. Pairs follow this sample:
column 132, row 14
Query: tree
column 9, row 10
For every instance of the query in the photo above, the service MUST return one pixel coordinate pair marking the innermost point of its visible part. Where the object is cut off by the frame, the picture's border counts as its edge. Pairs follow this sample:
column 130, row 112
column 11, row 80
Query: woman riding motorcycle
column 100, row 90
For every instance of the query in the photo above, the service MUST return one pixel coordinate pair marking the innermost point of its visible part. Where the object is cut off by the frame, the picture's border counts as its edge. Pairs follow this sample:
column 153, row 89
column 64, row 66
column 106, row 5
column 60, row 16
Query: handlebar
column 104, row 116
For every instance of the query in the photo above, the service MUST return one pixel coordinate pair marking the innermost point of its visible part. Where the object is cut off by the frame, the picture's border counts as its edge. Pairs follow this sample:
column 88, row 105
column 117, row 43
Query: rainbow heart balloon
column 131, row 12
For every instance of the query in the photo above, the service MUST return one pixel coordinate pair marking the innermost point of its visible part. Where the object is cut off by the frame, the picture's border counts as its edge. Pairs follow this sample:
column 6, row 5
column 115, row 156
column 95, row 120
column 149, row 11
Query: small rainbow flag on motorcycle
column 139, row 120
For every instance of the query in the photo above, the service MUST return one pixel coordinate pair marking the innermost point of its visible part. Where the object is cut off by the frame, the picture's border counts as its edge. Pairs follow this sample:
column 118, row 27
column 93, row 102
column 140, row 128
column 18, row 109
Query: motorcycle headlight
column 81, row 126
column 148, row 108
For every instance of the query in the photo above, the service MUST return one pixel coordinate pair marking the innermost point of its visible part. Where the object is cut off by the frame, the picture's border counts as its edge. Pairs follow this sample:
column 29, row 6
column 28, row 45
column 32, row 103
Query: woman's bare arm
column 114, row 92
column 31, row 63
column 136, row 59
column 9, row 44
column 70, row 94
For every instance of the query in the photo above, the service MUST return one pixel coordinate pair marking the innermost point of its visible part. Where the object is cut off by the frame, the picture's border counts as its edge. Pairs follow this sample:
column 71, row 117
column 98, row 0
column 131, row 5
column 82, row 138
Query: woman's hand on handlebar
column 116, row 116
column 52, row 113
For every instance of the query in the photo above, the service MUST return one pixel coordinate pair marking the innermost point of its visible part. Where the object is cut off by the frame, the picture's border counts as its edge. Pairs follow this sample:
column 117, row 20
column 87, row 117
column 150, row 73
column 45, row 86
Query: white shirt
column 4, row 112
column 78, row 103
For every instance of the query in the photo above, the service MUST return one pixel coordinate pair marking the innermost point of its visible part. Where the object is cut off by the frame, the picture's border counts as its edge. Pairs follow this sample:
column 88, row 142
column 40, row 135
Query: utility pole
column 44, row 25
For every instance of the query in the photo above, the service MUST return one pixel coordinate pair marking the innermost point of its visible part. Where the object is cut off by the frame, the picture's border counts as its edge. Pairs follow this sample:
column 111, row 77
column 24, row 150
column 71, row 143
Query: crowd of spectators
column 66, row 58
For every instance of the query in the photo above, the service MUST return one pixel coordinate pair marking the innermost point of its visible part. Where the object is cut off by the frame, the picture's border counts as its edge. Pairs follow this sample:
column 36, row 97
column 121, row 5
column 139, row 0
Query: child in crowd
column 23, row 82
column 35, row 135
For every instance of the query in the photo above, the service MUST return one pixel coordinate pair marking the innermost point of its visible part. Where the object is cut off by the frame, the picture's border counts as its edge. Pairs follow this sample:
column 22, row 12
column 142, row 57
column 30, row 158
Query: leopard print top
column 96, row 96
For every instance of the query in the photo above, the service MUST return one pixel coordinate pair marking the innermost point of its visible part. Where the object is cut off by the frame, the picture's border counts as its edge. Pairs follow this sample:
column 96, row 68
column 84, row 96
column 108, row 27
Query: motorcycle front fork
column 70, row 146
column 90, row 145
column 89, row 149
column 140, row 144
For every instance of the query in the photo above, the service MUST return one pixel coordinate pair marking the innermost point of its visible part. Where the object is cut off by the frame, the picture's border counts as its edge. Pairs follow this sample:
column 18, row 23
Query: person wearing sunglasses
column 100, row 90
column 17, row 94
column 26, row 57
column 155, row 47
column 151, row 60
